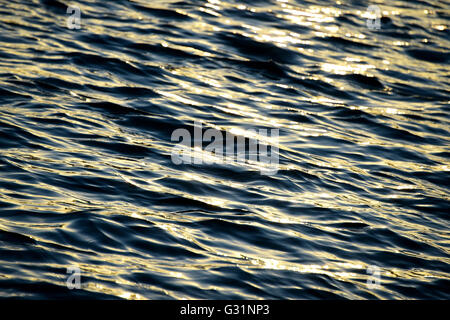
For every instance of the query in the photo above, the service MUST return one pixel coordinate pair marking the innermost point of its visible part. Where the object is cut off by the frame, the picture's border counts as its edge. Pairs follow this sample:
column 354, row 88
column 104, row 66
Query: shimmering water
column 86, row 177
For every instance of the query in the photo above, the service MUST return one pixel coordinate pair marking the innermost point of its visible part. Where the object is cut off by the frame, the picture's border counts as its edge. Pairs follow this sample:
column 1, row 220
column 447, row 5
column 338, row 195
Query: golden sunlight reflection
column 346, row 69
column 337, row 271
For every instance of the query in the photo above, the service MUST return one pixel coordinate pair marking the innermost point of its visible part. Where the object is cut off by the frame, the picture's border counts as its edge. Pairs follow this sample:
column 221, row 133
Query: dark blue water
column 86, row 177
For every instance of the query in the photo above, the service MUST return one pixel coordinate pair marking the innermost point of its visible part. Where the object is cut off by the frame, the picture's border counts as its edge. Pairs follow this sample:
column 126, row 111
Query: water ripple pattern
column 86, row 177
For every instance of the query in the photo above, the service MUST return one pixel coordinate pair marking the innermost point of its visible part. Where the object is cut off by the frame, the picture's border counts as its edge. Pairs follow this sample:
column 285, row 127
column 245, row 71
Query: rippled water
column 86, row 175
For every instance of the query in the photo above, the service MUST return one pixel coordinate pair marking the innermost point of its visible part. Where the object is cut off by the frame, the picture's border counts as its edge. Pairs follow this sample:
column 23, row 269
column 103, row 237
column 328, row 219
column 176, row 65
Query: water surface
column 86, row 177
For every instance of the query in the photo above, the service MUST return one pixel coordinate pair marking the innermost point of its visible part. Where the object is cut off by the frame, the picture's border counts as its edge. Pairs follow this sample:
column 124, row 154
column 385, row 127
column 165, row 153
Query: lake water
column 358, row 207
